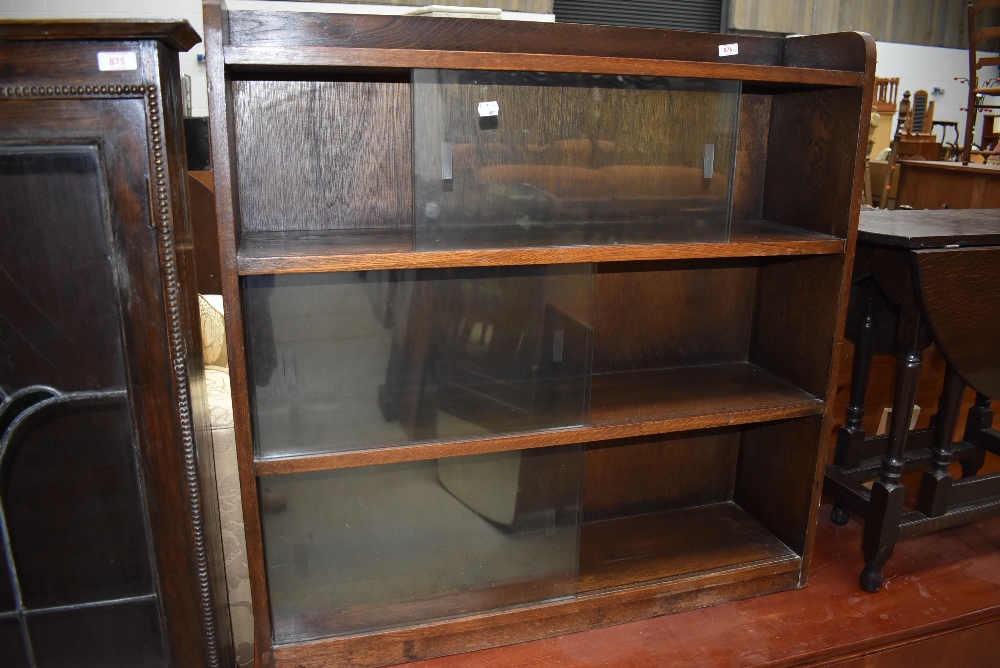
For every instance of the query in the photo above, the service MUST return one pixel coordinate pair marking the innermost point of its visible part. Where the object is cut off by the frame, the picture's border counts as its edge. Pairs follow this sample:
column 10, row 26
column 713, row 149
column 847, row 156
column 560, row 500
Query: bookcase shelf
column 295, row 251
column 674, row 543
column 622, row 405
column 526, row 374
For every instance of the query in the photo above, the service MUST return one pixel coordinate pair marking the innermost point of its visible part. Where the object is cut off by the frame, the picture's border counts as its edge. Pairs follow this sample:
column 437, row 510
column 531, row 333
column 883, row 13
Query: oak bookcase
column 501, row 376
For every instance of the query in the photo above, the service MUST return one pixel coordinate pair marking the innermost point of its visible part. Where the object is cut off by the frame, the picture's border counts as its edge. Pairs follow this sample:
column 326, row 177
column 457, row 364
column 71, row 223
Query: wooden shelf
column 659, row 546
column 622, row 405
column 271, row 58
column 364, row 249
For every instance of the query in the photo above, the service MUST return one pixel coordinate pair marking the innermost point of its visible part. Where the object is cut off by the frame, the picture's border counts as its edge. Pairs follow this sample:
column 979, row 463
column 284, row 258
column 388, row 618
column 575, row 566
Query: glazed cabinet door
column 110, row 547
column 78, row 578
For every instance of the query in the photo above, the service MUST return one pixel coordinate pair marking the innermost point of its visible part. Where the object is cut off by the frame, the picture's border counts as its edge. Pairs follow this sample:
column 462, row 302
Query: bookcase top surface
column 176, row 34
column 270, row 39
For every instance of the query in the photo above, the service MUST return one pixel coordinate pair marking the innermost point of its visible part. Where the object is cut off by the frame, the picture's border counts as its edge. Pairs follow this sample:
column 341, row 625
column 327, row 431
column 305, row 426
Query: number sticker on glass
column 115, row 61
column 487, row 109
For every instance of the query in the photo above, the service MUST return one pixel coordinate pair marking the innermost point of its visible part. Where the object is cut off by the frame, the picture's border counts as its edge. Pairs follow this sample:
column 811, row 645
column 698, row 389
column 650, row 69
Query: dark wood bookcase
column 668, row 428
column 112, row 551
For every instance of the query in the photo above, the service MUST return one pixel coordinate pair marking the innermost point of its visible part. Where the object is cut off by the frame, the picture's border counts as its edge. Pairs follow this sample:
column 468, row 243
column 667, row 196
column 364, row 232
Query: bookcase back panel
column 322, row 155
column 668, row 314
column 650, row 474
column 810, row 179
column 773, row 482
column 751, row 156
column 793, row 335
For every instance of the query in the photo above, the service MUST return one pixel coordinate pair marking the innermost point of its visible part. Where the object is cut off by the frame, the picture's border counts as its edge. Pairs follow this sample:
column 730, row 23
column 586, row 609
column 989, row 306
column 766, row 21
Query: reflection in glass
column 506, row 159
column 363, row 549
column 356, row 360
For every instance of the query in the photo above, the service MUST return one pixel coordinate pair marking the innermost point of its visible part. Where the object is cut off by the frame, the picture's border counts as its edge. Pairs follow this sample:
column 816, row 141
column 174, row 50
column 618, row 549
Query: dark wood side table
column 921, row 277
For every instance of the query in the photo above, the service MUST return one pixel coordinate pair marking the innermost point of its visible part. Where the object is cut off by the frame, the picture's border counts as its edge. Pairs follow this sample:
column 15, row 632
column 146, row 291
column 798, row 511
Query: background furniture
column 920, row 276
column 110, row 524
column 982, row 94
column 709, row 363
column 947, row 185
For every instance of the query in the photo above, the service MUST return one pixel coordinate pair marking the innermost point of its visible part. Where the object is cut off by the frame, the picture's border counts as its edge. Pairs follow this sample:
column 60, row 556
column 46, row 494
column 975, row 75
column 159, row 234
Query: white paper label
column 729, row 49
column 489, row 109
column 115, row 61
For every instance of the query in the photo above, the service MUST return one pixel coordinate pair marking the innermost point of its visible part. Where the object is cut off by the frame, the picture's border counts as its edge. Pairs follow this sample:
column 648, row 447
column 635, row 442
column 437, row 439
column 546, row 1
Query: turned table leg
column 851, row 437
column 886, row 505
column 936, row 484
column 980, row 418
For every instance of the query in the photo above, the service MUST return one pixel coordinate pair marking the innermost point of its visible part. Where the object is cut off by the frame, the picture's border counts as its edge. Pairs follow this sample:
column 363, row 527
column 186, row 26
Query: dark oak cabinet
column 109, row 522
column 532, row 326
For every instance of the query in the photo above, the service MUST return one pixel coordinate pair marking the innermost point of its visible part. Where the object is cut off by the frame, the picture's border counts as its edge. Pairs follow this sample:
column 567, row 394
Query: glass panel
column 507, row 159
column 58, row 312
column 86, row 541
column 363, row 549
column 12, row 644
column 366, row 359
column 119, row 636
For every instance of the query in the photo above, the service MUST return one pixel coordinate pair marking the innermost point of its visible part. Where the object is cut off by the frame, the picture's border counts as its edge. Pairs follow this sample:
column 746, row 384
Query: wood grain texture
column 205, row 230
column 771, row 481
column 651, row 316
column 930, row 229
column 18, row 67
column 358, row 250
column 276, row 59
column 322, row 155
column 393, row 33
column 656, row 473
column 971, row 645
column 961, row 298
column 834, row 50
column 751, row 157
column 519, row 625
column 227, row 202
column 937, row 185
column 177, row 35
column 794, row 326
column 806, row 131
column 926, row 598
column 675, row 543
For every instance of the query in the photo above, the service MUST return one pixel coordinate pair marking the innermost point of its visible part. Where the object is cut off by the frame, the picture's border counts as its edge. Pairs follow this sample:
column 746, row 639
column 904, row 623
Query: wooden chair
column 980, row 96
